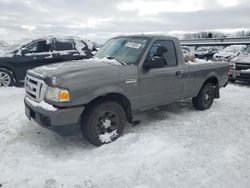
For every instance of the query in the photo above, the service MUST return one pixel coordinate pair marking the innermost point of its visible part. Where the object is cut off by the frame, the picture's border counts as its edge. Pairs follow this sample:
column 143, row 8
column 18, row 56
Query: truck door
column 161, row 84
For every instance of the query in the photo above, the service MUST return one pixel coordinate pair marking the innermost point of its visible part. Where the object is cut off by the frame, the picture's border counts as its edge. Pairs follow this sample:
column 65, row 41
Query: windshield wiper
column 122, row 63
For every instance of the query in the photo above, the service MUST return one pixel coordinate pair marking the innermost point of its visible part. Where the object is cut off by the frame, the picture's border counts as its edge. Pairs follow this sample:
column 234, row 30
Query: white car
column 3, row 44
column 240, row 67
column 229, row 52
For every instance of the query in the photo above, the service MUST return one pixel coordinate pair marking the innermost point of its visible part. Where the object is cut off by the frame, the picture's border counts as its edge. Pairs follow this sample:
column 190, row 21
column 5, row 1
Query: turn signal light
column 64, row 96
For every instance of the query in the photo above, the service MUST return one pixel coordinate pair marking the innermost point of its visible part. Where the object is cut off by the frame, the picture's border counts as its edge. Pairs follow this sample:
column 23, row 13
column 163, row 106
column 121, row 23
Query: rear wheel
column 205, row 98
column 103, row 123
column 6, row 78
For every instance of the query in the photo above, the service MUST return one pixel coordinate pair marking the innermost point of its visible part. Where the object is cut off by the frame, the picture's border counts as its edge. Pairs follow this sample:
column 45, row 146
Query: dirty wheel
column 103, row 123
column 205, row 98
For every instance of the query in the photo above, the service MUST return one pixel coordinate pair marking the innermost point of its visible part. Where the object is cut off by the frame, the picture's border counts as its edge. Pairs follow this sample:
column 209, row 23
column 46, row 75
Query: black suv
column 16, row 59
column 205, row 52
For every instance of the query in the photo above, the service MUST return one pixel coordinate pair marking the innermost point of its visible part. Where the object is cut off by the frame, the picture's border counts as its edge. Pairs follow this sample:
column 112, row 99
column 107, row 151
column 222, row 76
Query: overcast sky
column 100, row 19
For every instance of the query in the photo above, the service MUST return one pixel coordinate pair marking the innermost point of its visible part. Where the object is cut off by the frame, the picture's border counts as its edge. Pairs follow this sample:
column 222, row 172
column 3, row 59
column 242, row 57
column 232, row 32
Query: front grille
column 242, row 66
column 35, row 88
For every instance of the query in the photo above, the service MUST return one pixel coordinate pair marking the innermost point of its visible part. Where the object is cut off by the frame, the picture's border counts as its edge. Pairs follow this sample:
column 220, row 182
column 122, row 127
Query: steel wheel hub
column 207, row 97
column 107, row 122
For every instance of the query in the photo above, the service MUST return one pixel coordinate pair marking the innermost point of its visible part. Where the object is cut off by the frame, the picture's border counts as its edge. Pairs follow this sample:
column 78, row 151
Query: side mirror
column 94, row 50
column 24, row 51
column 155, row 62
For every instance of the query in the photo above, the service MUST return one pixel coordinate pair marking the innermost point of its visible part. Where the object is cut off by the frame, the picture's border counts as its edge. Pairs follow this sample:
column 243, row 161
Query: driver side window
column 165, row 49
column 32, row 48
column 39, row 47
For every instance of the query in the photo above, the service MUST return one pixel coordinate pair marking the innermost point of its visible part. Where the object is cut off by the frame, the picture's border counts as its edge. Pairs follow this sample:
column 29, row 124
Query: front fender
column 108, row 89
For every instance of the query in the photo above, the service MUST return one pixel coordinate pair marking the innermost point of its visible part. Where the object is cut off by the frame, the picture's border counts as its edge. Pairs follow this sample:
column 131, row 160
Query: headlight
column 57, row 95
column 232, row 65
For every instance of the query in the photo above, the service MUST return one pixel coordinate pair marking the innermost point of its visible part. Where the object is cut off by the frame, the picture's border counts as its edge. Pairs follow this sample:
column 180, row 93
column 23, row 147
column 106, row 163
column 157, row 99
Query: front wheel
column 6, row 78
column 103, row 123
column 205, row 98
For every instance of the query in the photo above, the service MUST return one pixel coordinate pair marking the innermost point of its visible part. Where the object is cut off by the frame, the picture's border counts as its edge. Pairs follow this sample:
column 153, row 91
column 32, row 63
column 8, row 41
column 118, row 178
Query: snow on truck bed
column 174, row 146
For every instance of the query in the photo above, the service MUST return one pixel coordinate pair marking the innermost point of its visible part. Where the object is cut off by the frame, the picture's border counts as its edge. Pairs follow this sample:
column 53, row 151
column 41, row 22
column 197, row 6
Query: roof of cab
column 148, row 36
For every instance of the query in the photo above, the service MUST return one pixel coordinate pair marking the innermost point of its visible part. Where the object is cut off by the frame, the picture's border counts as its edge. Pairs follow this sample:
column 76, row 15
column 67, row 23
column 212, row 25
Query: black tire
column 6, row 78
column 205, row 98
column 94, row 119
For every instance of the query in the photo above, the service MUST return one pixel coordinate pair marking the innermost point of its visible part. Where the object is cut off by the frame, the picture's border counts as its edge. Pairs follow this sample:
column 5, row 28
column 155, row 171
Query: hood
column 225, row 54
column 90, row 69
column 242, row 59
column 4, row 53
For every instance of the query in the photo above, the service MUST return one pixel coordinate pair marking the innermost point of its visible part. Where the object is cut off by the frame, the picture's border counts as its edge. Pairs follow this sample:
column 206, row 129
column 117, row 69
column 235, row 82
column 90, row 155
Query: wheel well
column 116, row 97
column 9, row 69
column 213, row 80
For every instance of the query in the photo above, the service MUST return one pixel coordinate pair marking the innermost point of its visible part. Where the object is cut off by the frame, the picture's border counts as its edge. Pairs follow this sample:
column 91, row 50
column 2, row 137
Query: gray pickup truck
column 128, row 74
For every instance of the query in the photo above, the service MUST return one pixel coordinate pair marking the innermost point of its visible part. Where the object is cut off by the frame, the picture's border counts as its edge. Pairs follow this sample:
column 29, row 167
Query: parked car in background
column 229, row 52
column 128, row 74
column 205, row 52
column 3, row 44
column 16, row 59
column 188, row 55
column 240, row 67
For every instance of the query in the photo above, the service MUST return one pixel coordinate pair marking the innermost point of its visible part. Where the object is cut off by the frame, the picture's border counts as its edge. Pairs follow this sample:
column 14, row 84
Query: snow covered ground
column 174, row 146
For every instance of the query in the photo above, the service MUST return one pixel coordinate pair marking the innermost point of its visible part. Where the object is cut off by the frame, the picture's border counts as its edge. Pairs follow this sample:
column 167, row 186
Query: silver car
column 240, row 67
column 229, row 52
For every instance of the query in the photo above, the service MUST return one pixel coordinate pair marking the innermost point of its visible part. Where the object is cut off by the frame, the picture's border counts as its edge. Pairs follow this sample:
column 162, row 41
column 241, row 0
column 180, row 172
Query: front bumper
column 48, row 118
column 239, row 75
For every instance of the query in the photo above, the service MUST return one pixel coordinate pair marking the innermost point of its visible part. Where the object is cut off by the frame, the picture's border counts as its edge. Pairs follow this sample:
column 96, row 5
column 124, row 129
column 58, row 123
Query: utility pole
column 86, row 27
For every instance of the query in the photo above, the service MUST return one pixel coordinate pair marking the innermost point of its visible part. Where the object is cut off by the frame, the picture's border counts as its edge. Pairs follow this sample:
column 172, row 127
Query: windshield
column 123, row 49
column 202, row 49
column 233, row 49
column 247, row 50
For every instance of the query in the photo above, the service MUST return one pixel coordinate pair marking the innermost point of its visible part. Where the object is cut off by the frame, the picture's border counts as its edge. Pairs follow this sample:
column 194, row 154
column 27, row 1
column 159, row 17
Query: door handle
column 178, row 73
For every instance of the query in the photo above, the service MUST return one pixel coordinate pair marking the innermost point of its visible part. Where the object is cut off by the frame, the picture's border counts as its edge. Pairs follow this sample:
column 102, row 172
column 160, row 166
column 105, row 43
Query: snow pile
column 103, row 60
column 199, row 61
column 107, row 137
column 247, row 70
column 174, row 146
column 42, row 105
